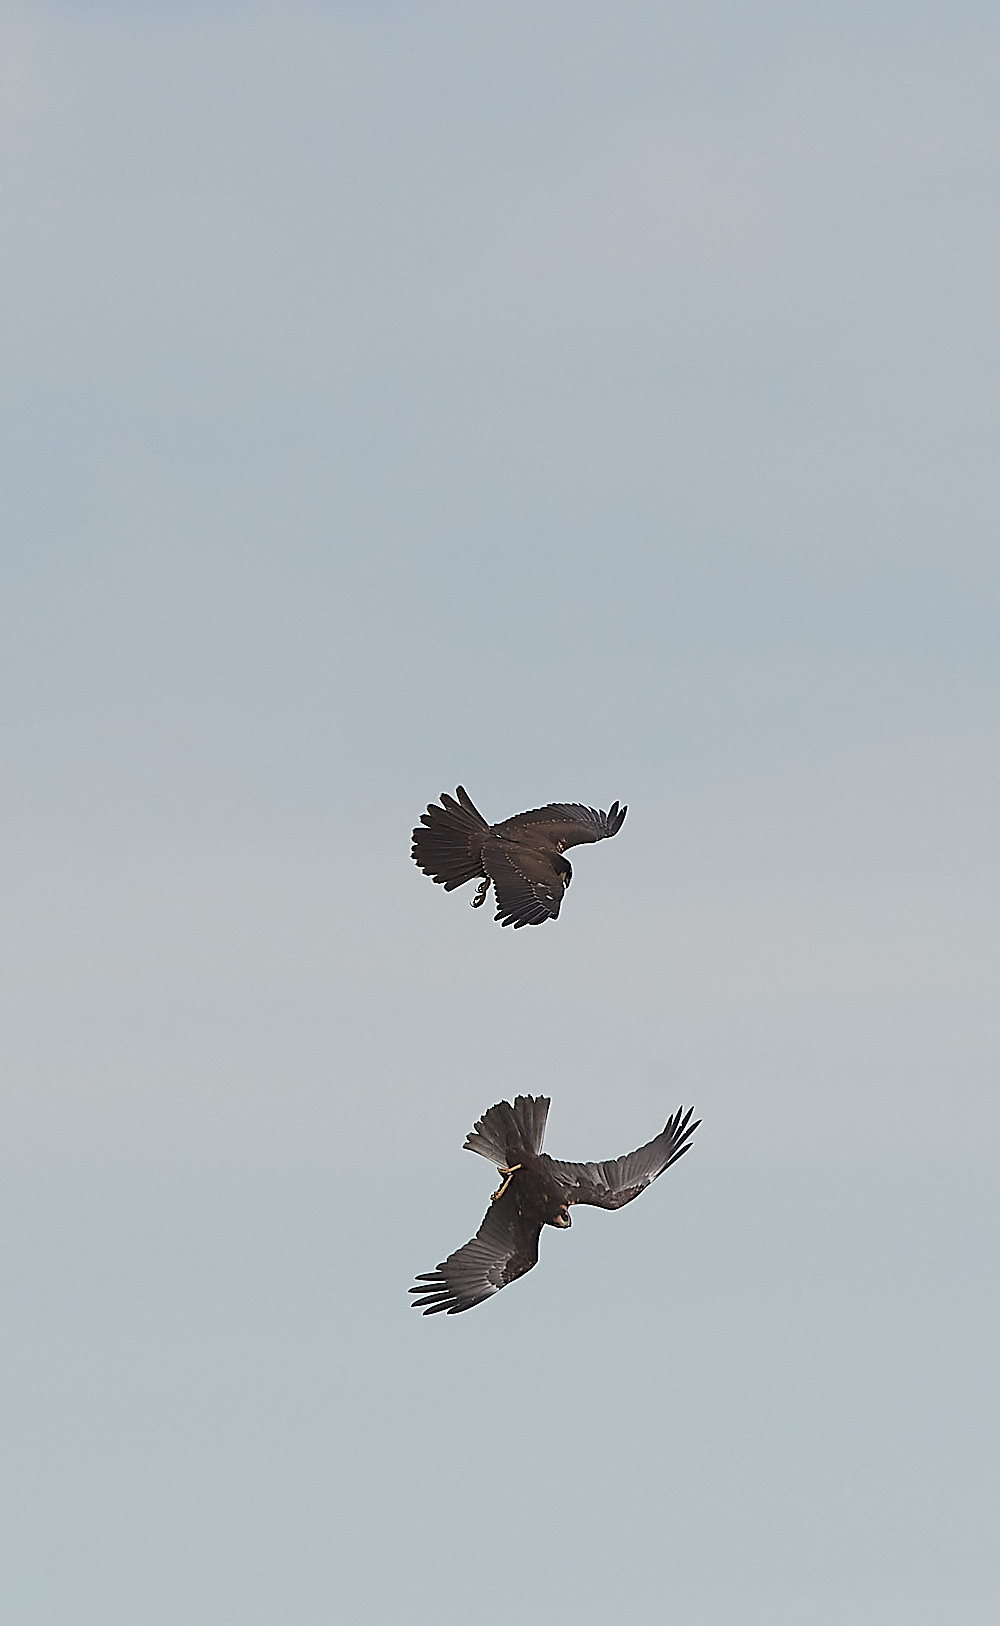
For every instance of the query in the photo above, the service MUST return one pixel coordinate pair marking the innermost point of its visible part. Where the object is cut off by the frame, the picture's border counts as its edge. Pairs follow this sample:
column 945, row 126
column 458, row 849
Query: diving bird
column 522, row 857
column 536, row 1191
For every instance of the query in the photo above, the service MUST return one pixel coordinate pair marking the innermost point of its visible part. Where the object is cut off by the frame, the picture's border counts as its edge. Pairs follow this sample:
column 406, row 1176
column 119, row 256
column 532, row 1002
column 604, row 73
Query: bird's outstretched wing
column 613, row 1184
column 569, row 823
column 504, row 1248
column 529, row 890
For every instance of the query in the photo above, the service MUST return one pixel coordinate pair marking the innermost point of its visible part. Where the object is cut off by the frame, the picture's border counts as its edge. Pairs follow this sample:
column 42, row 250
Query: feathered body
column 521, row 857
column 538, row 1190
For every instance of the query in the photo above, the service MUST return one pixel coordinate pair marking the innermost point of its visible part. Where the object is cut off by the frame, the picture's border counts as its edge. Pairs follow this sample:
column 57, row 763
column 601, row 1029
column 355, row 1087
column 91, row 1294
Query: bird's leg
column 510, row 1173
column 481, row 891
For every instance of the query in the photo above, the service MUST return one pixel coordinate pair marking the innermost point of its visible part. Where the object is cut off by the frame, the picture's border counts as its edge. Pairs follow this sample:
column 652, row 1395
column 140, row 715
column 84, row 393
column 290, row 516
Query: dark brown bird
column 522, row 857
column 536, row 1191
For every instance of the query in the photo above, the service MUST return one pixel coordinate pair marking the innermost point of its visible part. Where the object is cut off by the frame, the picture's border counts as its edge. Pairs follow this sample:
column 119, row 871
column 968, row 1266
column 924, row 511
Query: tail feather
column 506, row 1131
column 448, row 841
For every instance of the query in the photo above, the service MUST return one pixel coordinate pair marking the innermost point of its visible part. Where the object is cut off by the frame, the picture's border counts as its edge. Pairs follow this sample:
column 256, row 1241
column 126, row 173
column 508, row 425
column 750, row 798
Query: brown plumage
column 537, row 1191
column 521, row 858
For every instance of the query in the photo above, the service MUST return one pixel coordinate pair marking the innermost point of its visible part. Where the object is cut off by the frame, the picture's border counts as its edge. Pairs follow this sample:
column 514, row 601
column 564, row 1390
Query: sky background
column 575, row 401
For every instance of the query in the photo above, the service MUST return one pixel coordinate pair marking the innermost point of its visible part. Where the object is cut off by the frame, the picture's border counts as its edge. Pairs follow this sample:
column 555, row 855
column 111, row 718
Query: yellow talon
column 510, row 1175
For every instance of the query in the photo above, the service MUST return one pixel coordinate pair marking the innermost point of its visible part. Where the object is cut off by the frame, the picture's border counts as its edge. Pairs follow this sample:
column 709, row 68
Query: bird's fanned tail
column 448, row 841
column 505, row 1132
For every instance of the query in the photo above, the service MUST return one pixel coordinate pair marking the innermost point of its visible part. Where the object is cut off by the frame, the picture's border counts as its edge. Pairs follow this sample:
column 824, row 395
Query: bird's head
column 562, row 1218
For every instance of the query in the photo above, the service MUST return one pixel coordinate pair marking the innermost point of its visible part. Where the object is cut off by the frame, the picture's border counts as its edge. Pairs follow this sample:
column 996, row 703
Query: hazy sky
column 577, row 401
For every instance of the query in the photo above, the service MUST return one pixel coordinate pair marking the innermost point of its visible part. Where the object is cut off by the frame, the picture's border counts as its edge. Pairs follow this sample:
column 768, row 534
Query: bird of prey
column 536, row 1191
column 522, row 857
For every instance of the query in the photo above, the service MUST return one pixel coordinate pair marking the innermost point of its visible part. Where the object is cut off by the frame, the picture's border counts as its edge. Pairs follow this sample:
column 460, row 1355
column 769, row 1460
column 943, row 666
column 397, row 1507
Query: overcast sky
column 575, row 401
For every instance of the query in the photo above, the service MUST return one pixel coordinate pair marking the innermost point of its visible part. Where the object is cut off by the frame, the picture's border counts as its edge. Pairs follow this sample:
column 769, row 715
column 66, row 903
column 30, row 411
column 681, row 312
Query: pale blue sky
column 575, row 401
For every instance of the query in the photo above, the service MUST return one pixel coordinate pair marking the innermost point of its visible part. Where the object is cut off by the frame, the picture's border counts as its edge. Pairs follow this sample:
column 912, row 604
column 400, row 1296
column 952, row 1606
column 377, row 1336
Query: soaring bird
column 536, row 1191
column 522, row 857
